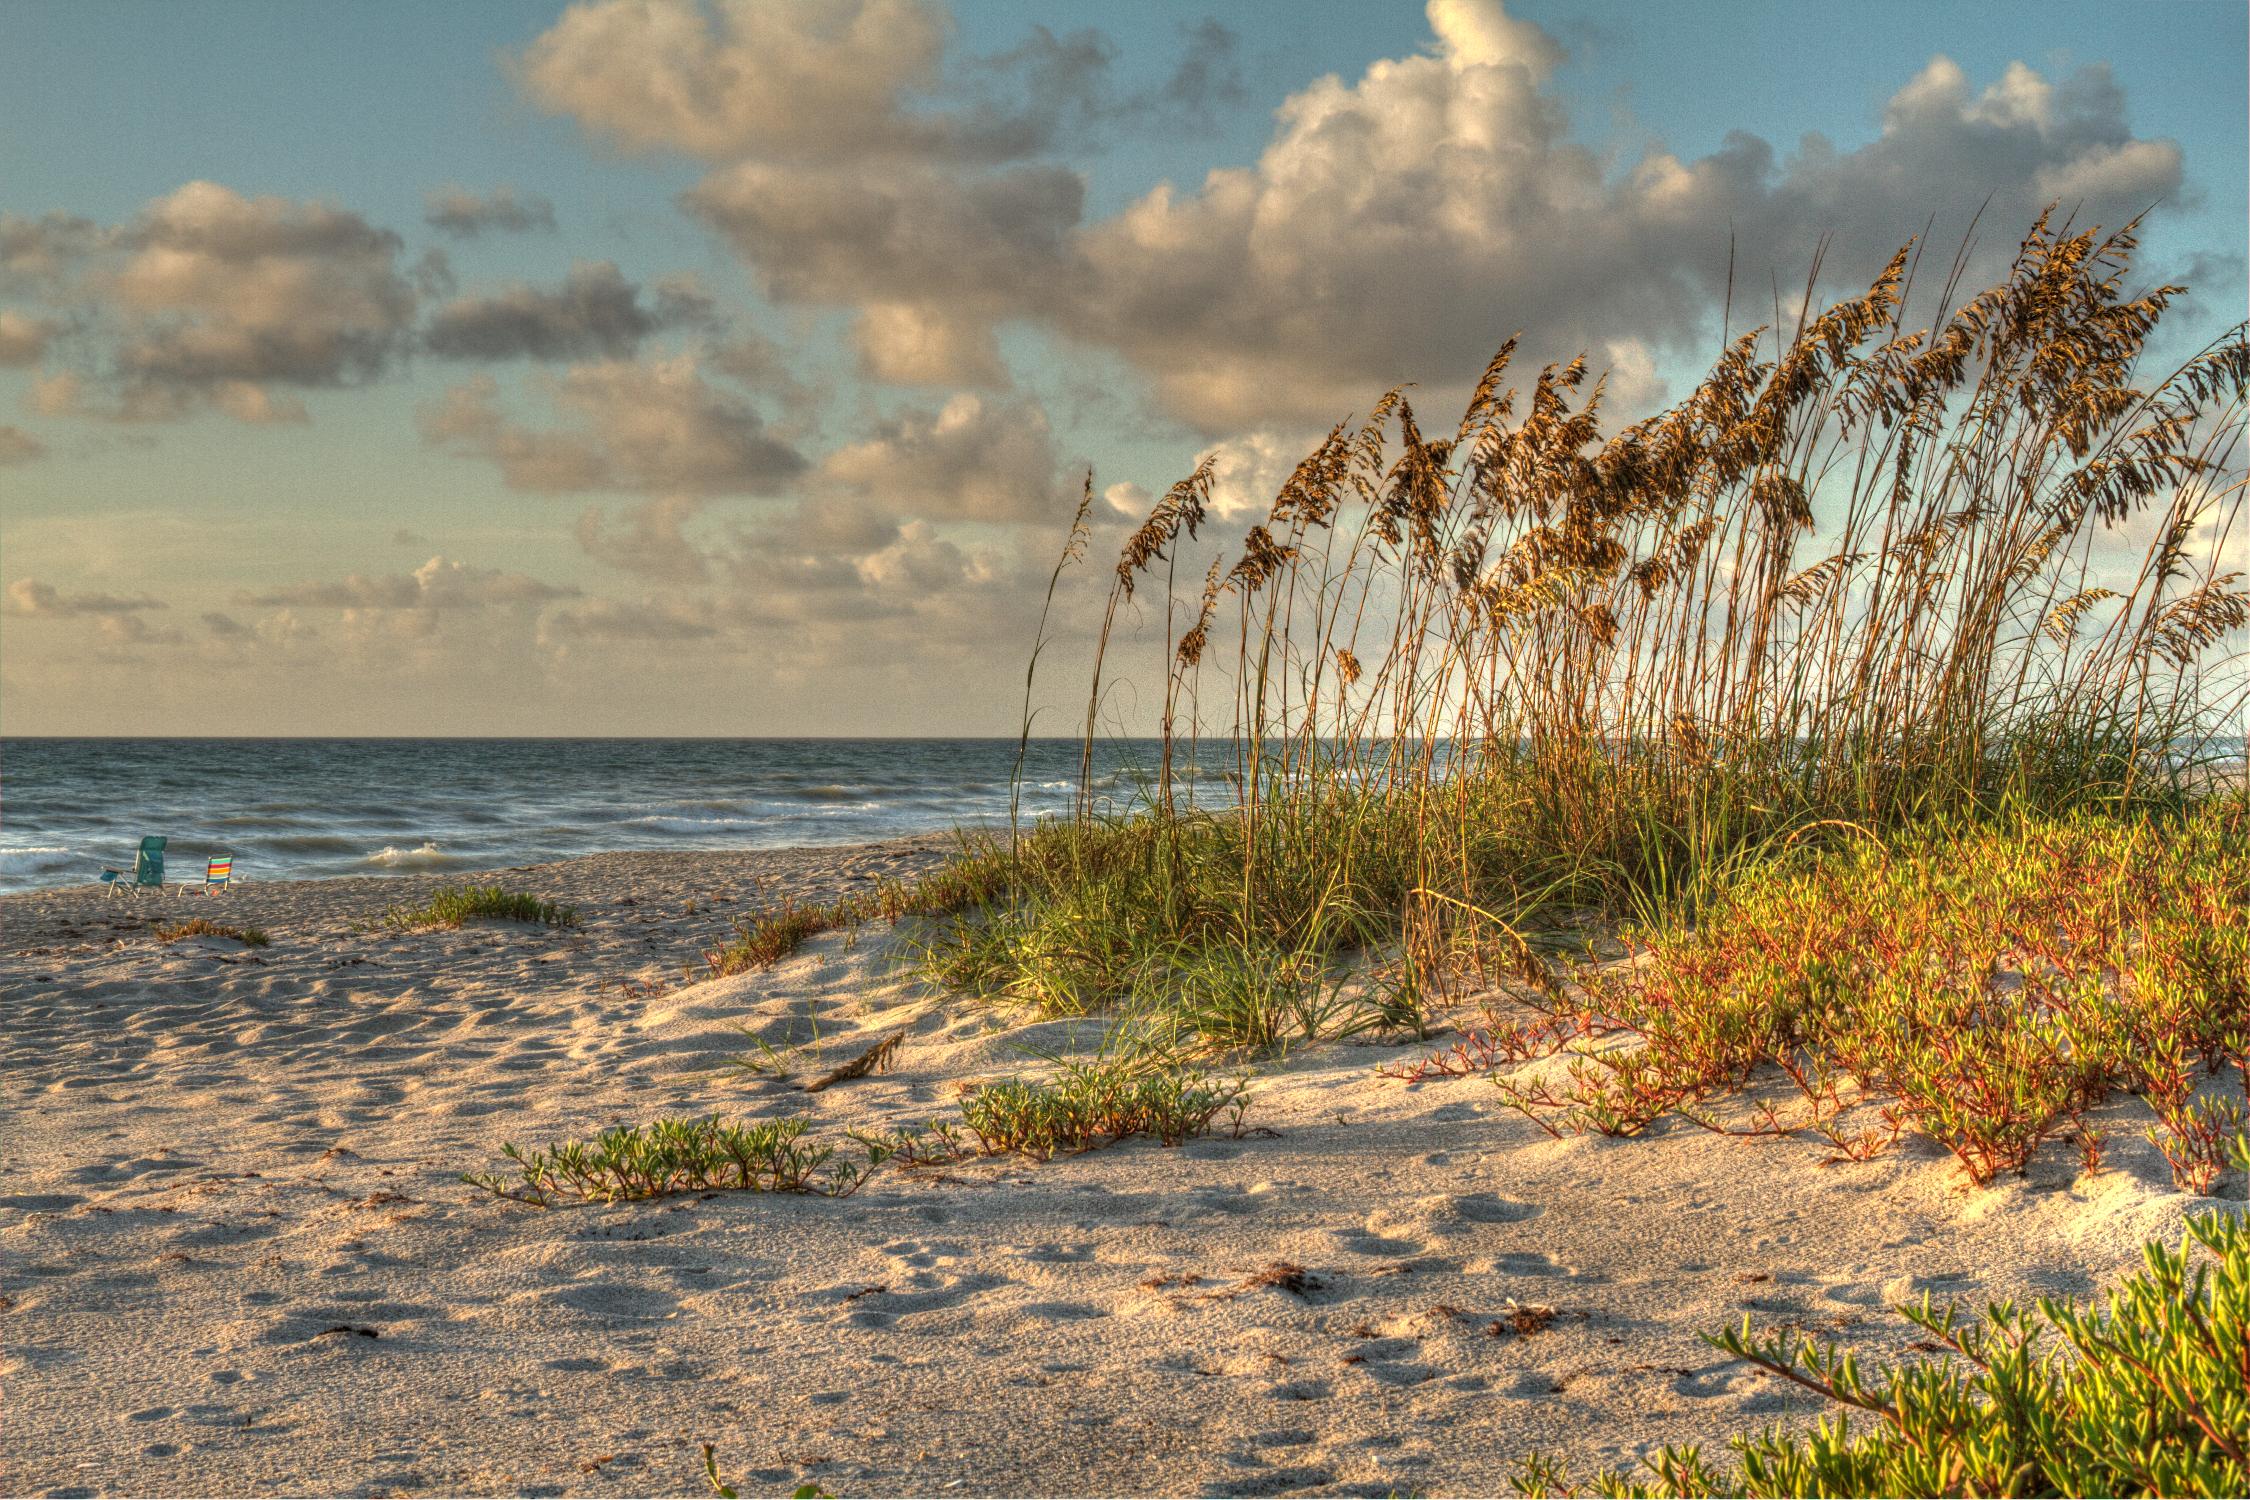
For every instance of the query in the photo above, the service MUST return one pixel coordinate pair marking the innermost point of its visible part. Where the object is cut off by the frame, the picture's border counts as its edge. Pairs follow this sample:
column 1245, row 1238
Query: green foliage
column 1460, row 673
column 1980, row 985
column 768, row 937
column 809, row 1490
column 1099, row 1103
column 672, row 1156
column 249, row 937
column 1126, row 1090
column 452, row 906
column 2145, row 1394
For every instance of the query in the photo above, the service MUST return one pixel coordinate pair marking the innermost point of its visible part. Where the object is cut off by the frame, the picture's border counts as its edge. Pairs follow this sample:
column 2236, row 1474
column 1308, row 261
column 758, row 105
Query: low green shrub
column 673, row 1156
column 1099, row 1103
column 453, row 906
column 2149, row 1394
column 250, row 937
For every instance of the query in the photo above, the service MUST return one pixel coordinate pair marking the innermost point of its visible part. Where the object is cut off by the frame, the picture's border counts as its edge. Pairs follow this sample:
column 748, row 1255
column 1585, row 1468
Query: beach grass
column 764, row 938
column 173, row 932
column 1099, row 1102
column 1516, row 675
column 452, row 906
column 673, row 1156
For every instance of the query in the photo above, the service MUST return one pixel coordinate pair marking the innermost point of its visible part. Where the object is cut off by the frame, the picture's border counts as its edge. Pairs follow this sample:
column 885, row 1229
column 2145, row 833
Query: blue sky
column 584, row 539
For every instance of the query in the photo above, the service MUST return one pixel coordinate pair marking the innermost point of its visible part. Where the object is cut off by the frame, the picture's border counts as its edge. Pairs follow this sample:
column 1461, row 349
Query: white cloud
column 1395, row 229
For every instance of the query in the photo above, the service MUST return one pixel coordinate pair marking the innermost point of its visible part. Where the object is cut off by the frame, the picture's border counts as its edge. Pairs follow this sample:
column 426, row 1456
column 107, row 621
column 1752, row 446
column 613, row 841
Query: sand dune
column 235, row 1254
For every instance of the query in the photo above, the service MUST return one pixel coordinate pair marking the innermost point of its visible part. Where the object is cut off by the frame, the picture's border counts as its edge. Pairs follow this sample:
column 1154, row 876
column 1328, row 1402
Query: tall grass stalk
column 1865, row 574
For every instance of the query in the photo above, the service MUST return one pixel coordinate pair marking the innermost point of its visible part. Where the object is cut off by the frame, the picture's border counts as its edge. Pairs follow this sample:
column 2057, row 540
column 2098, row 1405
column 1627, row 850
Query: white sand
column 215, row 1156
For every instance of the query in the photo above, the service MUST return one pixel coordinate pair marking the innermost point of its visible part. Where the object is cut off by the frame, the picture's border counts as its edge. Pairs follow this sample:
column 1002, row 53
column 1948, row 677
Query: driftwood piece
column 875, row 1059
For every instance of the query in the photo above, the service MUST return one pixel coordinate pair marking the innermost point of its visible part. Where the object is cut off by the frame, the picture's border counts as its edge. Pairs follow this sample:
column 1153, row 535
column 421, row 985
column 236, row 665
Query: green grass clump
column 673, row 1156
column 1098, row 1103
column 453, row 906
column 2152, row 1397
column 768, row 937
column 252, row 937
column 1983, row 986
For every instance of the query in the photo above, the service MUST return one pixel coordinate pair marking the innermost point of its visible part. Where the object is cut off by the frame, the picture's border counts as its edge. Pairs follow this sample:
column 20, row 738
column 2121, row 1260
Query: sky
column 731, row 367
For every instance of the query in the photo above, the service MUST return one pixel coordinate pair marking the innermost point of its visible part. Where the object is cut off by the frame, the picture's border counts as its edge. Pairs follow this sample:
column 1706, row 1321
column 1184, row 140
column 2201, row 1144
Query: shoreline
column 725, row 877
column 237, row 1257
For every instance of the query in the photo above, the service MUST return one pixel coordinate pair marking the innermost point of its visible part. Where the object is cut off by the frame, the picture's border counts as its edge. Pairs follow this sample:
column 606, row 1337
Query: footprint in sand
column 41, row 1203
column 619, row 1300
column 1267, row 1481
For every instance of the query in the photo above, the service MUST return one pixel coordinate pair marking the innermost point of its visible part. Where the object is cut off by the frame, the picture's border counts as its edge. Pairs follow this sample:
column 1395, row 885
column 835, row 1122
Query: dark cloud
column 30, row 597
column 595, row 314
column 652, row 542
column 437, row 584
column 654, row 426
column 624, row 620
column 18, row 446
column 465, row 215
column 211, row 299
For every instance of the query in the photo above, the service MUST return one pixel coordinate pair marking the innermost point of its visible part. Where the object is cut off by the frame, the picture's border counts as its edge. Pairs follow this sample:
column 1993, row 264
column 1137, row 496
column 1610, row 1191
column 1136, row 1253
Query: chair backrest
column 219, row 871
column 148, row 865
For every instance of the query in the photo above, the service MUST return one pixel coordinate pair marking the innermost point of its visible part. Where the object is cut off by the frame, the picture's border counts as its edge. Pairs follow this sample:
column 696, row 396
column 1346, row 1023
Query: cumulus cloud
column 657, row 426
column 652, row 542
column 466, row 215
column 910, row 236
column 1396, row 228
column 18, row 446
column 30, row 597
column 595, row 313
column 440, row 583
column 820, row 79
column 907, row 344
column 209, row 299
column 972, row 459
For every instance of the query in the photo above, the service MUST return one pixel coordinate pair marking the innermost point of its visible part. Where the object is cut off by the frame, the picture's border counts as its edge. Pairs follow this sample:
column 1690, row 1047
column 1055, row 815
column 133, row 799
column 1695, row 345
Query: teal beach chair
column 147, row 871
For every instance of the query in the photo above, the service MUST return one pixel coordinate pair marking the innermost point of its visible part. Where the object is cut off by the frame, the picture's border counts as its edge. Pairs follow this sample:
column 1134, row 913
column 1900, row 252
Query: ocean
column 296, row 809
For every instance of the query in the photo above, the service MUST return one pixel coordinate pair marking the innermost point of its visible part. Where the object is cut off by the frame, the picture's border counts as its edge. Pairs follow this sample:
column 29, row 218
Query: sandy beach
column 236, row 1255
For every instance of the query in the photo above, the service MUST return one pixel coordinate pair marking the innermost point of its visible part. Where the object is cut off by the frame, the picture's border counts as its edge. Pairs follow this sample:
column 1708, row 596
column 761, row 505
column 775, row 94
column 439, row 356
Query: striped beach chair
column 218, row 876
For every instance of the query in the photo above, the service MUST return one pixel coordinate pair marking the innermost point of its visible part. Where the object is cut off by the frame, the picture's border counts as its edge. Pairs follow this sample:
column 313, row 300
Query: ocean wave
column 428, row 857
column 36, row 854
